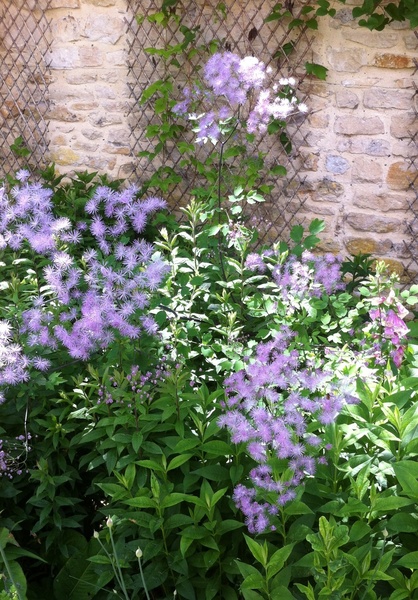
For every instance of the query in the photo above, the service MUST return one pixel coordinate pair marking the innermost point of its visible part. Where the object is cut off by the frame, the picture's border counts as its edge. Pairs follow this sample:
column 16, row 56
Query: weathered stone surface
column 400, row 176
column 63, row 58
column 350, row 125
column 393, row 61
column 106, row 92
column 90, row 56
column 328, row 190
column 319, row 120
column 92, row 134
column 406, row 149
column 66, row 29
column 79, row 77
column 382, row 202
column 104, row 119
column 346, row 99
column 373, row 223
column 366, row 170
column 61, row 113
column 387, row 98
column 403, row 126
column 64, row 4
column 363, row 245
column 336, row 164
column 356, row 145
column 372, row 39
column 101, row 163
column 104, row 28
column 84, row 106
column 64, row 156
column 329, row 245
column 411, row 41
column 343, row 61
column 105, row 3
column 118, row 58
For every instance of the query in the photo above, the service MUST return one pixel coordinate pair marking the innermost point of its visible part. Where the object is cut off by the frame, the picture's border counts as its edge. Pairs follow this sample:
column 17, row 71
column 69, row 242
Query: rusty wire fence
column 24, row 77
column 237, row 26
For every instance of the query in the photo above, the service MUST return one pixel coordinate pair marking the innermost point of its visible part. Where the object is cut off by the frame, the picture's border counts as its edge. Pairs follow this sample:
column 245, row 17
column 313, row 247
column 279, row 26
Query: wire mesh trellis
column 411, row 263
column 239, row 27
column 24, row 78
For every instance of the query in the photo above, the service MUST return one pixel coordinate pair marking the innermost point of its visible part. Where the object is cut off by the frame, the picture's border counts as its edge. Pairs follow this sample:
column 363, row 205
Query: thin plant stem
column 142, row 577
column 121, row 580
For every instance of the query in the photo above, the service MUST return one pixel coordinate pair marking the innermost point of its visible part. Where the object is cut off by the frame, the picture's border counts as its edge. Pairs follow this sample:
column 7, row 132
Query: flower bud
column 109, row 522
column 138, row 553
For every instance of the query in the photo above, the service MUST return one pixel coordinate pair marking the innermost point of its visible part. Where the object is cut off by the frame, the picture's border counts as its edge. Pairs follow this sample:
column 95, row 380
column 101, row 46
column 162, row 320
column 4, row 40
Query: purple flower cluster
column 228, row 83
column 300, row 278
column 86, row 301
column 270, row 406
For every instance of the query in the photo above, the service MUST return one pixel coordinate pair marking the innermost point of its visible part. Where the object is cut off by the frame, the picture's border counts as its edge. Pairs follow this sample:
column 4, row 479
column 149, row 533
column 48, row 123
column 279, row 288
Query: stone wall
column 356, row 152
column 358, row 145
column 89, row 95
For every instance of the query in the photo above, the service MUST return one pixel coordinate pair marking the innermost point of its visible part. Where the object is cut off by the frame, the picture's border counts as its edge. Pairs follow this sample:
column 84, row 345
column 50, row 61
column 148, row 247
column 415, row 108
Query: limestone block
column 63, row 58
column 372, row 39
column 411, row 41
column 400, row 176
column 358, row 145
column 336, row 164
column 64, row 4
column 351, row 125
column 350, row 62
column 366, row 245
column 64, row 156
column 90, row 56
column 346, row 99
column 105, row 3
column 393, row 61
column 403, row 126
column 66, row 29
column 387, row 98
column 79, row 77
column 381, row 202
column 374, row 223
column 319, row 120
column 92, row 134
column 103, row 28
column 60, row 112
column 328, row 190
column 366, row 170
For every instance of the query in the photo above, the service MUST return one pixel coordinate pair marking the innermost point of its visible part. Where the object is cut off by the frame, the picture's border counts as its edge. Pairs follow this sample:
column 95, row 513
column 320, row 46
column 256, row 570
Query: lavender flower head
column 270, row 406
column 231, row 83
column 86, row 301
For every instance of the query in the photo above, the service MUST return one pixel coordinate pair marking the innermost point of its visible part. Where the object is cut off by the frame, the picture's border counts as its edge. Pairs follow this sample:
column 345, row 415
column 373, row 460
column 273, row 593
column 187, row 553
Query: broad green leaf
column 259, row 551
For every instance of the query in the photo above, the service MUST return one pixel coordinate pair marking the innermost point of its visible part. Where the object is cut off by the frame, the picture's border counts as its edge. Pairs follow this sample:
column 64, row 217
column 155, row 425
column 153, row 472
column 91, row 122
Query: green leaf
column 410, row 561
column 407, row 473
column 177, row 461
column 403, row 522
column 259, row 551
column 296, row 234
column 276, row 562
column 141, row 502
column 316, row 70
